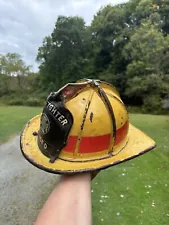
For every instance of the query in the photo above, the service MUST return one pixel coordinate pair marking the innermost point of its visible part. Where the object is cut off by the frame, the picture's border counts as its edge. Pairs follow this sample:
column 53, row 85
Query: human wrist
column 76, row 177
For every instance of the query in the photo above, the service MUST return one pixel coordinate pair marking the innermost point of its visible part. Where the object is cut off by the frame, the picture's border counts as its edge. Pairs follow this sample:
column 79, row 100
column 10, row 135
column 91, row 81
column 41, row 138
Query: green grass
column 131, row 187
column 12, row 120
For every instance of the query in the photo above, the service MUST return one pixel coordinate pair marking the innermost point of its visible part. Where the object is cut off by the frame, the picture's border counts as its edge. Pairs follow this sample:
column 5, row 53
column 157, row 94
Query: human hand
column 94, row 174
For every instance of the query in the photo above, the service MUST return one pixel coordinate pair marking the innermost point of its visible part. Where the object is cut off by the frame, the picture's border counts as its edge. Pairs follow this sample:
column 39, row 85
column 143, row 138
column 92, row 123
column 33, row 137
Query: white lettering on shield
column 45, row 146
column 57, row 114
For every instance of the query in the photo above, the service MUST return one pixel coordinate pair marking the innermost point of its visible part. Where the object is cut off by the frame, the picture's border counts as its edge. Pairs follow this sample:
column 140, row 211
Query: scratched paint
column 91, row 117
column 83, row 132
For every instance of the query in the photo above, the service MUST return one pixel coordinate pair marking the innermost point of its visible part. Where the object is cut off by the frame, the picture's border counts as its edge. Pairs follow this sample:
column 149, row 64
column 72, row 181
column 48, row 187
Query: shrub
column 32, row 101
column 134, row 109
column 153, row 104
column 16, row 101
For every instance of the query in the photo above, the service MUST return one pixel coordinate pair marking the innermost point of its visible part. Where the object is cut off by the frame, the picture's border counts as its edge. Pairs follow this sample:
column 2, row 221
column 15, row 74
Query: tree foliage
column 125, row 44
column 11, row 65
column 17, row 82
column 65, row 53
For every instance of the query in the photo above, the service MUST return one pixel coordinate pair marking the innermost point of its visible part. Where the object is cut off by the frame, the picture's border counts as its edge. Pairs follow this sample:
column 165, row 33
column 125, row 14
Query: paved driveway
column 23, row 188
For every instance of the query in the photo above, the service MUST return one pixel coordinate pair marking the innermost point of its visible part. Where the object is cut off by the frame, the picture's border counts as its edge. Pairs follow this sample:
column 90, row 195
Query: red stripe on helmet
column 121, row 133
column 96, row 143
column 71, row 144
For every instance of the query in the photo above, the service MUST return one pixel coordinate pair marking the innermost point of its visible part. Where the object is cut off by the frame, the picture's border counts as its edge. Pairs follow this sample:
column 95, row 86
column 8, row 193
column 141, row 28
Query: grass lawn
column 13, row 119
column 133, row 193
column 137, row 191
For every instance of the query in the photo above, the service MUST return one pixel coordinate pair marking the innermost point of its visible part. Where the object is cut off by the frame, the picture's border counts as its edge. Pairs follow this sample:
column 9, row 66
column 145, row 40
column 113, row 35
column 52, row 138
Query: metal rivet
column 35, row 133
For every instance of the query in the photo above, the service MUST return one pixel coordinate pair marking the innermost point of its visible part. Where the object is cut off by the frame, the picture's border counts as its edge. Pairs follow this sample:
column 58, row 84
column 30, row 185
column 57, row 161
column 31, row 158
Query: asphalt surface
column 23, row 187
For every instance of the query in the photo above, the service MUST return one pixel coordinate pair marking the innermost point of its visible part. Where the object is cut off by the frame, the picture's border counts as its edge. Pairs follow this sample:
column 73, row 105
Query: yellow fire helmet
column 83, row 127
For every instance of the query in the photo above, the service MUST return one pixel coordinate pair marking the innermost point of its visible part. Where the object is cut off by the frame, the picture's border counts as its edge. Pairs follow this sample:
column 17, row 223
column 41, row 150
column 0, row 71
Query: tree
column 110, row 34
column 126, row 45
column 148, row 71
column 12, row 64
column 64, row 54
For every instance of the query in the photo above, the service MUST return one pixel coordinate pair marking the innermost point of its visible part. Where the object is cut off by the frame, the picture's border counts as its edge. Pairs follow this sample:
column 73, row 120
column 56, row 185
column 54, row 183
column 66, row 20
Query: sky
column 25, row 23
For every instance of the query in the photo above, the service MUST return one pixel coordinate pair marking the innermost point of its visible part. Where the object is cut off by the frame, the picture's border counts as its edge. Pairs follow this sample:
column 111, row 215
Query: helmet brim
column 138, row 144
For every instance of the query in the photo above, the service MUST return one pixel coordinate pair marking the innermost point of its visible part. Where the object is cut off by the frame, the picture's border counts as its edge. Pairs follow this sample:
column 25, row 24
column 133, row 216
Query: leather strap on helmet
column 108, row 104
